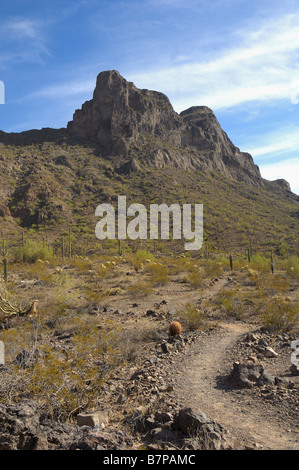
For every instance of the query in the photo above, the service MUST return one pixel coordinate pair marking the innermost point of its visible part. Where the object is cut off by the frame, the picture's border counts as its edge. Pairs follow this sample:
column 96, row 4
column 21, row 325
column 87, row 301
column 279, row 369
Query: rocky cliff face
column 121, row 117
column 120, row 114
column 141, row 129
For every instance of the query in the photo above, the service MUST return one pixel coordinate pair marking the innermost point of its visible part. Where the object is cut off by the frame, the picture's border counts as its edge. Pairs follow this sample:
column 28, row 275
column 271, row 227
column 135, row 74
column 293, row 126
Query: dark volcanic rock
column 24, row 427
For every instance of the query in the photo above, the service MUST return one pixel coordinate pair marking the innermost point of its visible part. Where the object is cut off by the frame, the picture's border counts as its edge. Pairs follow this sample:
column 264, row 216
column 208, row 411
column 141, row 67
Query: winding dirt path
column 198, row 386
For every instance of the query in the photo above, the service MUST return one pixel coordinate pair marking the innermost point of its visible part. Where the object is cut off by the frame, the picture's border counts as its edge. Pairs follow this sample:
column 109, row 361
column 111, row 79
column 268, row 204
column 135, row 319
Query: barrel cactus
column 175, row 328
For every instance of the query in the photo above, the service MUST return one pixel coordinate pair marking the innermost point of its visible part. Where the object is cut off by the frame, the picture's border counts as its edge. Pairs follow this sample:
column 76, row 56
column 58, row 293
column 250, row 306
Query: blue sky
column 239, row 57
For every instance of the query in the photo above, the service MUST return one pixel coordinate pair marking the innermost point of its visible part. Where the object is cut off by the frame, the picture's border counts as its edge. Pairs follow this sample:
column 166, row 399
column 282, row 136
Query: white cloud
column 263, row 67
column 22, row 28
column 286, row 169
column 70, row 88
column 276, row 155
column 276, row 143
column 22, row 40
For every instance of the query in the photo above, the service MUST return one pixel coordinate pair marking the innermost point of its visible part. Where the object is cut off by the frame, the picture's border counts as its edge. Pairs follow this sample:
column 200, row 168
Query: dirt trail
column 198, row 386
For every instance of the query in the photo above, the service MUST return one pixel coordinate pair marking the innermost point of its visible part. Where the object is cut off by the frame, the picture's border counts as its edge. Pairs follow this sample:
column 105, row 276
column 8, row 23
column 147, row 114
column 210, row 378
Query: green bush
column 279, row 314
column 190, row 317
column 31, row 251
column 291, row 265
column 260, row 263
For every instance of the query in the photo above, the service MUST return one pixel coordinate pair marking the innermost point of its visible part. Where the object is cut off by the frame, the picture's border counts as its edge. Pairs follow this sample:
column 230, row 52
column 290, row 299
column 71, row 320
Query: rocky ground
column 228, row 385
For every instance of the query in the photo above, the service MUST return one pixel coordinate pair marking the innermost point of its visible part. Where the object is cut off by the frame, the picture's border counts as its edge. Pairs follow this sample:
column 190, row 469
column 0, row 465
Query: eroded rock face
column 141, row 126
column 121, row 116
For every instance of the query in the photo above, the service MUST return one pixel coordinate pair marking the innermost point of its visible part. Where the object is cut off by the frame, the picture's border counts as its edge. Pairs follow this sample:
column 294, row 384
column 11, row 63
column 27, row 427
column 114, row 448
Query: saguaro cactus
column 4, row 249
column 5, row 269
column 70, row 243
column 62, row 248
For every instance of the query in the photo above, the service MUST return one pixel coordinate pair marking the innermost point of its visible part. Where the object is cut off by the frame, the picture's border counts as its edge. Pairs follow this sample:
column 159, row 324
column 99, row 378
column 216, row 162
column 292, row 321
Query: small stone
column 163, row 416
column 294, row 369
column 93, row 419
column 253, row 359
column 251, row 337
column 269, row 352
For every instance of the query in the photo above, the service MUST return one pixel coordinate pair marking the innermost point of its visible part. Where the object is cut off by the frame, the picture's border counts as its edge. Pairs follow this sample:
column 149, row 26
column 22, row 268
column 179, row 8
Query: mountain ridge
column 127, row 141
column 122, row 120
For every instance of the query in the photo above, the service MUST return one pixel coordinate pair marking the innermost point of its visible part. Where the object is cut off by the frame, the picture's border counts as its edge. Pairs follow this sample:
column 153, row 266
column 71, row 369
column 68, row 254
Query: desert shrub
column 81, row 264
column 213, row 268
column 260, row 263
column 143, row 255
column 195, row 278
column 273, row 284
column 31, row 251
column 278, row 314
column 65, row 386
column 140, row 289
column 65, row 382
column 41, row 271
column 180, row 265
column 232, row 302
column 159, row 273
column 140, row 258
column 190, row 316
column 291, row 265
column 63, row 295
column 224, row 260
column 19, row 339
column 92, row 293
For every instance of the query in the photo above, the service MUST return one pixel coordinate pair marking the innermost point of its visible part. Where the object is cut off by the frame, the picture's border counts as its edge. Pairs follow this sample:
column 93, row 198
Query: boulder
column 93, row 419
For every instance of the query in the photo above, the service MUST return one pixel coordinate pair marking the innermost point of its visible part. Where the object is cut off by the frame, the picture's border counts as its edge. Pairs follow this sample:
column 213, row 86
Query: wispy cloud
column 70, row 88
column 20, row 28
column 23, row 40
column 262, row 67
column 276, row 143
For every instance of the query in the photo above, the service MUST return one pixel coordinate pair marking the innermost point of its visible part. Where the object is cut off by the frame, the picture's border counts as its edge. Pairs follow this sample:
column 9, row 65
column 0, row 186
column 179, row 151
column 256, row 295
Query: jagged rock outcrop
column 283, row 184
column 120, row 114
column 121, row 118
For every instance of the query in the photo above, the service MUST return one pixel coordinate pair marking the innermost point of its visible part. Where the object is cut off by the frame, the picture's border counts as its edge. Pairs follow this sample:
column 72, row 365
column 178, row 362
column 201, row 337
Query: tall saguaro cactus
column 5, row 269
column 62, row 248
column 70, row 243
column 4, row 248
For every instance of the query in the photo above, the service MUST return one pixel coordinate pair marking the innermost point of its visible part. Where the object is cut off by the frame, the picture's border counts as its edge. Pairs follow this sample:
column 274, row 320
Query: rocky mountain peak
column 142, row 130
column 121, row 116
